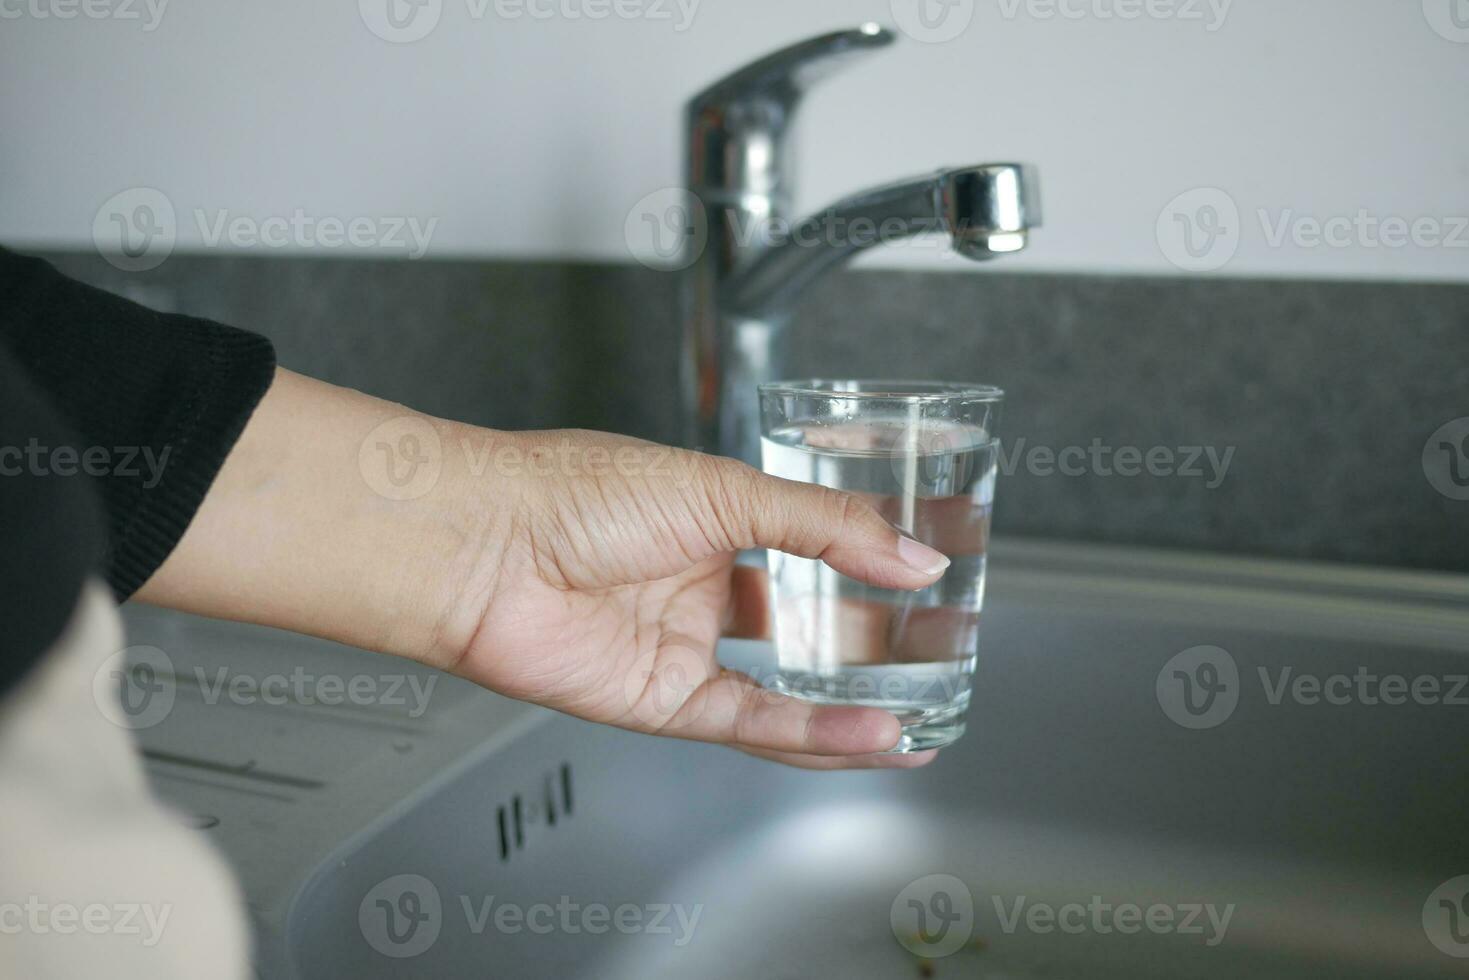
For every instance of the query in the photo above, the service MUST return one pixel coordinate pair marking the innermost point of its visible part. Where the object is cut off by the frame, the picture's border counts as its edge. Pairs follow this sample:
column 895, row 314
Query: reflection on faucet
column 757, row 261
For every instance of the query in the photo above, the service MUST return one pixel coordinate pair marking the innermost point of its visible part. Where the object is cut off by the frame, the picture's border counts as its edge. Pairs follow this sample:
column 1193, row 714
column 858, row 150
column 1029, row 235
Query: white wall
column 531, row 137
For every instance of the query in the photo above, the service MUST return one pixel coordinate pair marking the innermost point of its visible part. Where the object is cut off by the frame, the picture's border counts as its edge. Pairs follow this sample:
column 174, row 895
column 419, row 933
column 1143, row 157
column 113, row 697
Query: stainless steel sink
column 1330, row 833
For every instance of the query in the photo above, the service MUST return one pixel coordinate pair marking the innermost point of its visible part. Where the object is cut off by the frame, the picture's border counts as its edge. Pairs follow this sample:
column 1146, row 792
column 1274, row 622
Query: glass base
column 929, row 725
column 921, row 736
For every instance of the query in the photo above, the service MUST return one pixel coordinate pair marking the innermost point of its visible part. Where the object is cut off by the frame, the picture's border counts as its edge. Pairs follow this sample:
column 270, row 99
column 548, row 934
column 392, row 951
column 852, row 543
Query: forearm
column 300, row 529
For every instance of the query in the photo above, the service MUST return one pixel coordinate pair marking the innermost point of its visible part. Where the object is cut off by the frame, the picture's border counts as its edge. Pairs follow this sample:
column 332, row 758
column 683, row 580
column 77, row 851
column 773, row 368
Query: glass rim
column 886, row 390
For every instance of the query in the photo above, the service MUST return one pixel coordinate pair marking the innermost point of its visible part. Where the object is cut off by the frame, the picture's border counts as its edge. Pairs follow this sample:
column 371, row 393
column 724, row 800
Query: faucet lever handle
column 738, row 126
column 784, row 75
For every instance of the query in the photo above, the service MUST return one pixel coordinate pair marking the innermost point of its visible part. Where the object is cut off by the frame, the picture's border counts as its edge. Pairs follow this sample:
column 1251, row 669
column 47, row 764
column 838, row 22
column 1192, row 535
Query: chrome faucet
column 752, row 264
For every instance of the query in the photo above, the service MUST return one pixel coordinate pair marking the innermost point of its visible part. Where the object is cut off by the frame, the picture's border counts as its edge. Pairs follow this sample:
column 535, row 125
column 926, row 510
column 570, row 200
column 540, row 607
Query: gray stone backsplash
column 1279, row 418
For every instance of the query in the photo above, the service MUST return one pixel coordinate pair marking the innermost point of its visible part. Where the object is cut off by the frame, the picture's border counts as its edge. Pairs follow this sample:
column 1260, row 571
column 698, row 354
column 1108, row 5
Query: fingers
column 730, row 707
column 827, row 763
column 688, row 696
column 846, row 532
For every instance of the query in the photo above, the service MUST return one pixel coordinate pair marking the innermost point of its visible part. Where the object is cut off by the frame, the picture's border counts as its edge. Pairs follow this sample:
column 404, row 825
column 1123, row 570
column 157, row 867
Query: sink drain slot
column 522, row 812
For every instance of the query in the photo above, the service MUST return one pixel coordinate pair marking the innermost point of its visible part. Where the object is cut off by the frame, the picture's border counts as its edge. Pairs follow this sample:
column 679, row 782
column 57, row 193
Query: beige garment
column 97, row 879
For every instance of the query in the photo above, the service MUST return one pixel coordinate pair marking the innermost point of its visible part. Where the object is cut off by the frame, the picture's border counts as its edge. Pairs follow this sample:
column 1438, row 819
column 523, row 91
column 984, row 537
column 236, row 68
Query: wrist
column 346, row 517
column 460, row 536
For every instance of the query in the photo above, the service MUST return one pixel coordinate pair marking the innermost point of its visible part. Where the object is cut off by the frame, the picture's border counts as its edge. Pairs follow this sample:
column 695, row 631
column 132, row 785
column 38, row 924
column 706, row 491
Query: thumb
column 757, row 510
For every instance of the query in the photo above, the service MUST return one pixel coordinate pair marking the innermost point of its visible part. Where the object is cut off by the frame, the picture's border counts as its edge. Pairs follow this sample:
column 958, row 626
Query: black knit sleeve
column 51, row 526
column 156, row 401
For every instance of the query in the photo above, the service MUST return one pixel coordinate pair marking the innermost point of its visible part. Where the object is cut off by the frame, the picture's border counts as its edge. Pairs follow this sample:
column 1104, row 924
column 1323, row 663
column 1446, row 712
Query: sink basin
column 1269, row 832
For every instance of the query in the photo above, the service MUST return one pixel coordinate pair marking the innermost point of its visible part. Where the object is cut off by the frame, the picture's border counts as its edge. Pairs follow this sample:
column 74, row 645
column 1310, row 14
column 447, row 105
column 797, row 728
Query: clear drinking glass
column 924, row 454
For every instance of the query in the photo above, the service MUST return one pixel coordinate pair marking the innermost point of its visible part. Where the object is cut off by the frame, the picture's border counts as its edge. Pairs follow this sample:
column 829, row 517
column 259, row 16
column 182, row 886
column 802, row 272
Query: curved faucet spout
column 986, row 210
column 745, row 272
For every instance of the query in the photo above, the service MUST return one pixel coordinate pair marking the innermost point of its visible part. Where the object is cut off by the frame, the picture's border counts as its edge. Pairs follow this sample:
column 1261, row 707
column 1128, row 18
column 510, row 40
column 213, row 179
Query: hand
column 615, row 578
column 587, row 572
